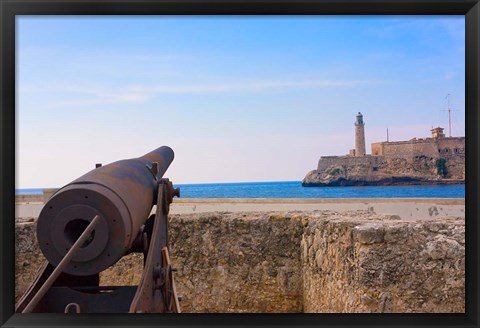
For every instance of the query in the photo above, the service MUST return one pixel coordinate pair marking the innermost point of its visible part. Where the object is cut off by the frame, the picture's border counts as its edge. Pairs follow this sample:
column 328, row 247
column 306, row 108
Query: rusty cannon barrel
column 121, row 193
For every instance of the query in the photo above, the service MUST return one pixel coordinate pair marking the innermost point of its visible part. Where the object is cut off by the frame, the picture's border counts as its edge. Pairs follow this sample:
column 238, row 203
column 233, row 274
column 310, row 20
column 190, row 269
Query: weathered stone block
column 369, row 233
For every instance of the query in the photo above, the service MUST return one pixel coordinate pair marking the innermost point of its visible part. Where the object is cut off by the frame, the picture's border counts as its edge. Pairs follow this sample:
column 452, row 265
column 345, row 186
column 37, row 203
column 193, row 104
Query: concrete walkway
column 405, row 208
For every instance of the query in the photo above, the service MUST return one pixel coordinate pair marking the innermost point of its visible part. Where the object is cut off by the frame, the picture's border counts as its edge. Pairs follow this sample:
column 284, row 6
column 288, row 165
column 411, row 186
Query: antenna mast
column 449, row 118
column 449, row 110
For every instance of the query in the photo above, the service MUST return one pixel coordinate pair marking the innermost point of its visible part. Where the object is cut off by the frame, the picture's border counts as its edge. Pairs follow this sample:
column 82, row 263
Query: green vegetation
column 335, row 171
column 441, row 167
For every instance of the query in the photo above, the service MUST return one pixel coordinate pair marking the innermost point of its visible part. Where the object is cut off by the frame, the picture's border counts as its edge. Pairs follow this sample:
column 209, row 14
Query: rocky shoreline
column 382, row 181
column 380, row 171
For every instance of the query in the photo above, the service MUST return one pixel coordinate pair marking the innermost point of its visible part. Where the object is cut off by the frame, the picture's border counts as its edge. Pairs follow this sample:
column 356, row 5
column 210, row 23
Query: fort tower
column 437, row 132
column 359, row 136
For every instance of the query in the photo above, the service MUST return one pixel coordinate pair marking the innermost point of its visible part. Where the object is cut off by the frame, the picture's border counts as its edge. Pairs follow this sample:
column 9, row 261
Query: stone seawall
column 318, row 261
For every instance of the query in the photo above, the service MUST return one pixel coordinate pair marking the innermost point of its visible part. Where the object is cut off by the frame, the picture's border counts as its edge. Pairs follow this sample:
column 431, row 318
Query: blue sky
column 237, row 98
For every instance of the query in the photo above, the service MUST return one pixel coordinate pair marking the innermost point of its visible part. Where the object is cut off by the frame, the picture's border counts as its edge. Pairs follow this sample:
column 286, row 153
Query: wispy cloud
column 105, row 99
column 93, row 95
column 248, row 87
column 85, row 95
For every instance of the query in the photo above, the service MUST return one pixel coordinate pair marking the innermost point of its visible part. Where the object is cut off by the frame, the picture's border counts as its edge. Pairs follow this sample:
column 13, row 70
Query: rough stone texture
column 373, row 264
column 238, row 263
column 126, row 272
column 319, row 261
column 28, row 257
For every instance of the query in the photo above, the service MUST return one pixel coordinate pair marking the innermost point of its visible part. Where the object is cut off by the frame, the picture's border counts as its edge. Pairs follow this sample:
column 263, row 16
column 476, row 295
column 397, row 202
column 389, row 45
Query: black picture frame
column 10, row 8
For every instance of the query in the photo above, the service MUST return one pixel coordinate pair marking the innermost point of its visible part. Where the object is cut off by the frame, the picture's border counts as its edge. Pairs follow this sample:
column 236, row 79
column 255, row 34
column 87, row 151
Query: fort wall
column 387, row 170
column 319, row 261
column 430, row 147
column 368, row 160
column 451, row 147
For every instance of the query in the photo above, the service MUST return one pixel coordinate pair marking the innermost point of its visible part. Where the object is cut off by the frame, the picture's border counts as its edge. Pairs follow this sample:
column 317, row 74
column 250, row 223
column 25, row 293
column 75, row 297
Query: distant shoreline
column 392, row 181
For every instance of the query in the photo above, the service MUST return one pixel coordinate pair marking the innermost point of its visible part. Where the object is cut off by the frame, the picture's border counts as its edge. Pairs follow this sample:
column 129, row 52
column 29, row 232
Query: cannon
column 90, row 224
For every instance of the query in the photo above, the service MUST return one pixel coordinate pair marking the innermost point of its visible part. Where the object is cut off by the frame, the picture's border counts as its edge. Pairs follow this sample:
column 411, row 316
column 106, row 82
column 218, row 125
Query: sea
column 294, row 189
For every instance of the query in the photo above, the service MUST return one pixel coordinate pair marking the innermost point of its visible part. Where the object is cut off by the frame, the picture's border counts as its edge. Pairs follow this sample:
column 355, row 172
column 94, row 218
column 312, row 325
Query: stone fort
column 435, row 147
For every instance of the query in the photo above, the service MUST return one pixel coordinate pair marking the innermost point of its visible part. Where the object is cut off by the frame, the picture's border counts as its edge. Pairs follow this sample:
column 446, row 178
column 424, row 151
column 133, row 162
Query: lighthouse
column 359, row 135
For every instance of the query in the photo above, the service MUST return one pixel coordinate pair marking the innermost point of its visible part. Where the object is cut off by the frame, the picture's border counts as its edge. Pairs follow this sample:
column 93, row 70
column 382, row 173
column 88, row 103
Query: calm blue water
column 30, row 191
column 294, row 189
